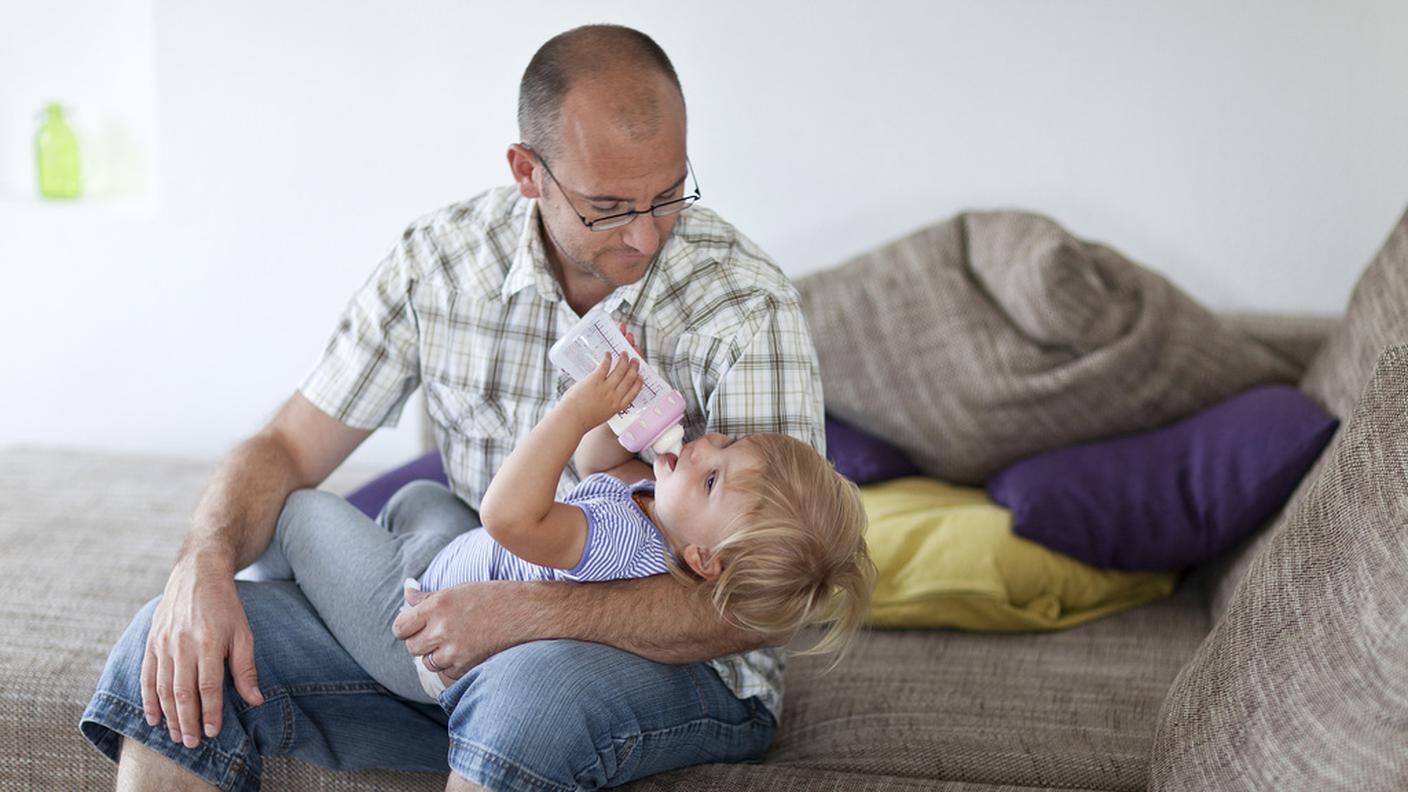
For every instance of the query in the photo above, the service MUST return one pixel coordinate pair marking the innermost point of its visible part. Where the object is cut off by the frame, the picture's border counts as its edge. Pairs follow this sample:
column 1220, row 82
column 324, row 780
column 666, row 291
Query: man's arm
column 658, row 618
column 200, row 621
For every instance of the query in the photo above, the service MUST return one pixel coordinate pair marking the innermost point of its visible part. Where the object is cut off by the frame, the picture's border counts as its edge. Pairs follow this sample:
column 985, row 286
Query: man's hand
column 630, row 339
column 198, row 623
column 461, row 626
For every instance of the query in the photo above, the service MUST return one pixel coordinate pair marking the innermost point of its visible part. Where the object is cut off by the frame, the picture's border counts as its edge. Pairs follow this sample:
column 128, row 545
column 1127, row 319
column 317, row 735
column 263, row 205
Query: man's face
column 602, row 169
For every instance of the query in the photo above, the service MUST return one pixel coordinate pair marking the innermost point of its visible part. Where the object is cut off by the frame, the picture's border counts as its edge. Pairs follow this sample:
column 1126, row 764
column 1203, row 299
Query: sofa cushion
column 1375, row 319
column 947, row 557
column 782, row 778
column 1072, row 709
column 1304, row 682
column 1173, row 497
column 993, row 336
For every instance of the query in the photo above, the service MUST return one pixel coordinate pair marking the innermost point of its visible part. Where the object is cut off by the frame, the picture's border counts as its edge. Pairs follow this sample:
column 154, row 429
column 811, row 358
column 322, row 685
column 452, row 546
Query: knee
column 404, row 508
column 305, row 511
column 504, row 716
column 308, row 503
column 122, row 676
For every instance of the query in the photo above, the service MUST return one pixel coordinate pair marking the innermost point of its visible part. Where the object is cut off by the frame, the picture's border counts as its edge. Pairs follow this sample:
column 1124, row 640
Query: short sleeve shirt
column 621, row 543
column 466, row 307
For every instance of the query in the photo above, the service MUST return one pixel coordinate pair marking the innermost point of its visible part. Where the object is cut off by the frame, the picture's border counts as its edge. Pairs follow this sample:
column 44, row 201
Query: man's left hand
column 460, row 627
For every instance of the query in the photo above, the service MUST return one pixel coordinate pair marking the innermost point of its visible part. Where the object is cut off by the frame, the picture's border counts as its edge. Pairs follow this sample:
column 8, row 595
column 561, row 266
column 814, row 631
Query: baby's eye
column 709, row 484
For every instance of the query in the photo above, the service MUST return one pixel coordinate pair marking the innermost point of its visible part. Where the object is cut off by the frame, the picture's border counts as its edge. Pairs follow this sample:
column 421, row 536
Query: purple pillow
column 372, row 496
column 862, row 458
column 1175, row 496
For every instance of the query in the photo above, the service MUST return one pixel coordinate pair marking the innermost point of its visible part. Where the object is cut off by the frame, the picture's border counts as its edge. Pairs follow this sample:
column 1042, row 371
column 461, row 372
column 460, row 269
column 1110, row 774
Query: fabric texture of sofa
column 88, row 538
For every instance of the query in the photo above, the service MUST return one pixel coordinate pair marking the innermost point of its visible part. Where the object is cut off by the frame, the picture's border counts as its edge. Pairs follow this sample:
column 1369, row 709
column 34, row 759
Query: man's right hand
column 200, row 622
column 197, row 625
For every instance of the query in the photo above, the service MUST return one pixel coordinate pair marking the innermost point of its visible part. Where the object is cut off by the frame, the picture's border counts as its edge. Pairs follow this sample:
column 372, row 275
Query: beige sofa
column 87, row 538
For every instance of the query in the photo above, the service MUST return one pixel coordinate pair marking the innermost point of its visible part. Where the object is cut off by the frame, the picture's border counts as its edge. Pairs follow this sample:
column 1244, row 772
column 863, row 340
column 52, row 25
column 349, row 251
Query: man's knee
column 117, row 698
column 290, row 651
column 122, row 677
column 505, row 716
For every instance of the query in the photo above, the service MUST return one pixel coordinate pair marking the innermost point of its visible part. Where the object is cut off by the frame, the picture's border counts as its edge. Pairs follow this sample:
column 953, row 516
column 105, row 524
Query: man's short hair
column 577, row 53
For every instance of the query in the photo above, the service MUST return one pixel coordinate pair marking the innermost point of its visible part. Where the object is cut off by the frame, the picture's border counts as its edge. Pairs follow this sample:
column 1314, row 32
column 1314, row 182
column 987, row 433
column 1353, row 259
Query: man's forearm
column 658, row 618
column 235, row 518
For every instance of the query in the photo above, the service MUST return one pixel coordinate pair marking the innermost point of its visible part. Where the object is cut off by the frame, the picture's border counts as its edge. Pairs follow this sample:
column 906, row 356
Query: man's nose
column 641, row 234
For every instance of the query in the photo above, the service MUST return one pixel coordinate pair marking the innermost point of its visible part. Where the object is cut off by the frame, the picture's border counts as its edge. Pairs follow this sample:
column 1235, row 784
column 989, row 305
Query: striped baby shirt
column 621, row 543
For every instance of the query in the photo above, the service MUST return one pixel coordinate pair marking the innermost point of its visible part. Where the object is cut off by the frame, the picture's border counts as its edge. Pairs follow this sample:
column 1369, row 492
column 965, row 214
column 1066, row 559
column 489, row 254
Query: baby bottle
column 653, row 419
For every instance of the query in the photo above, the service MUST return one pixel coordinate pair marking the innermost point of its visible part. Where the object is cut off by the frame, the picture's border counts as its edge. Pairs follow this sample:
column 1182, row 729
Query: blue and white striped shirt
column 621, row 543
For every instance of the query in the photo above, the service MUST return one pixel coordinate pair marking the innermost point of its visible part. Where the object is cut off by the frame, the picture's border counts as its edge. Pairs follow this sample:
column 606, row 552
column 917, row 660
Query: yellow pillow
column 948, row 558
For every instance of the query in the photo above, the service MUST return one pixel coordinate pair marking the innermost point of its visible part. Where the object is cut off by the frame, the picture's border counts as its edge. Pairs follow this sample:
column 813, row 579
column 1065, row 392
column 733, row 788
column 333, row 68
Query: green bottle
column 56, row 152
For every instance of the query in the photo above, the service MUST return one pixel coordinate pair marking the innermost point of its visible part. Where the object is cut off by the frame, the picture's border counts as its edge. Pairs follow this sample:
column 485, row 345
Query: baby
column 764, row 527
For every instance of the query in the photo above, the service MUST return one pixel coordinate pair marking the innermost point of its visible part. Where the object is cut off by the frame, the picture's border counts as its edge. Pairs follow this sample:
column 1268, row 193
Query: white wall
column 1252, row 151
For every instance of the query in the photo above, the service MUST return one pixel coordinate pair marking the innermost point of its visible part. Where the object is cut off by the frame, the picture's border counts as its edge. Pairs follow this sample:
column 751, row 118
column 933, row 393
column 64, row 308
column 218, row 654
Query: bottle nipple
column 670, row 442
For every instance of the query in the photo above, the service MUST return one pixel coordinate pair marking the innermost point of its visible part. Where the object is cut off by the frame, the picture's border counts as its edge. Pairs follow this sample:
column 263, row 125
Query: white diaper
column 429, row 680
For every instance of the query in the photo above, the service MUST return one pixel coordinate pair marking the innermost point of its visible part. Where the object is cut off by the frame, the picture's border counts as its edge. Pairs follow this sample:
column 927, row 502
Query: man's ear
column 522, row 164
column 703, row 561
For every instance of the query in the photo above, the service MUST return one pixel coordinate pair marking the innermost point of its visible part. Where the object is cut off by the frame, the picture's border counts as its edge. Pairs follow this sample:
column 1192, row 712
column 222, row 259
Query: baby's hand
column 605, row 392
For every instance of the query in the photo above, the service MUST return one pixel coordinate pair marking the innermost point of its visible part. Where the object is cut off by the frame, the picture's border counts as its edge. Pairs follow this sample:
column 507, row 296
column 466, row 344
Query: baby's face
column 697, row 496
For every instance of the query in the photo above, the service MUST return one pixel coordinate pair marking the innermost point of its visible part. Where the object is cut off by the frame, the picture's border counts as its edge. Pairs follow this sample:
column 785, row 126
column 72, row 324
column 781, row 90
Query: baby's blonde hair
column 798, row 555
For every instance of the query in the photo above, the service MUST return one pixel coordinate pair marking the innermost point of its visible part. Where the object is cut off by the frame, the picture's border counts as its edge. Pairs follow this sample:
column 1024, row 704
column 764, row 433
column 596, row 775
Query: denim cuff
column 225, row 760
column 492, row 771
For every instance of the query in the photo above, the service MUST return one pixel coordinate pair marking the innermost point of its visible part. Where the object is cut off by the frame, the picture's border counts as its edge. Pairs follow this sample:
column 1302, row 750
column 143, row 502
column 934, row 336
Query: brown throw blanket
column 992, row 336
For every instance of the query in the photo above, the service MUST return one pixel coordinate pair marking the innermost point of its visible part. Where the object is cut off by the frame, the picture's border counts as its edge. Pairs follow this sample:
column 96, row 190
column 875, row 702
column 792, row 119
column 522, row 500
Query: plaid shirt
column 466, row 305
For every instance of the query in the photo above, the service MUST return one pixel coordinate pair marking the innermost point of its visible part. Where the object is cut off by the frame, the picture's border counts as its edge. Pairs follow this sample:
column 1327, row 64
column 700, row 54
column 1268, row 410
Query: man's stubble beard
column 566, row 258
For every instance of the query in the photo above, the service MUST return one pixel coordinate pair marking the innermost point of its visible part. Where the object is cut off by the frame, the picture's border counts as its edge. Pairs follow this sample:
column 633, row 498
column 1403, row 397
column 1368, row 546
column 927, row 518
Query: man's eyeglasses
column 662, row 209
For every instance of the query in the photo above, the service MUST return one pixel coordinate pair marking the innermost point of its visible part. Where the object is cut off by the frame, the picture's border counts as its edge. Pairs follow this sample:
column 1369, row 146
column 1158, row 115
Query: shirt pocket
column 468, row 414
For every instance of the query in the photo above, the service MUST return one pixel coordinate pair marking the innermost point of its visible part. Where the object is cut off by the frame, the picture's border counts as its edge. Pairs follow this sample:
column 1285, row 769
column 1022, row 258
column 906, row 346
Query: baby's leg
column 270, row 566
column 352, row 570
column 418, row 506
column 425, row 505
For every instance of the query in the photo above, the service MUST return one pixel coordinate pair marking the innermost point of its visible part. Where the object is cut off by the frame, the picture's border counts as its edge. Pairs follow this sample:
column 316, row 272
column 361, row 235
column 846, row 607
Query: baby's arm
column 601, row 452
column 520, row 509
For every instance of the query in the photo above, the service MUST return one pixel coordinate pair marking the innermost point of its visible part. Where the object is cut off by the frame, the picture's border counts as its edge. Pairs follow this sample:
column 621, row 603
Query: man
column 466, row 306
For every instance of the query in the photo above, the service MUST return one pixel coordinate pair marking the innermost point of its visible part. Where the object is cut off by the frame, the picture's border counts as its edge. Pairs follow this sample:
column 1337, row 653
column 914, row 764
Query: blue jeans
column 548, row 715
